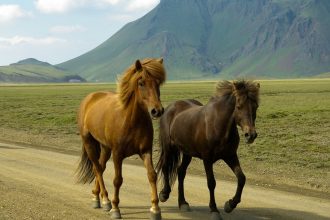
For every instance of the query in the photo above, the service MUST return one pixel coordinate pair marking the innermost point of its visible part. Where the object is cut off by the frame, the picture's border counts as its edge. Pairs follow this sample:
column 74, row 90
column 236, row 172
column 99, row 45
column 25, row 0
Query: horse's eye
column 141, row 84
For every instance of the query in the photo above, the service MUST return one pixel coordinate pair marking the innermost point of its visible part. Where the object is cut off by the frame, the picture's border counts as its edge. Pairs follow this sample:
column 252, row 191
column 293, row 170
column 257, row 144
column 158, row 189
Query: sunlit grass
column 293, row 124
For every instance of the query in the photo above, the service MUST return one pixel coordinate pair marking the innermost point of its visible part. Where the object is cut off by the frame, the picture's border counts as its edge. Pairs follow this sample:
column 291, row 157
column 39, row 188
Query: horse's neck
column 223, row 118
column 135, row 113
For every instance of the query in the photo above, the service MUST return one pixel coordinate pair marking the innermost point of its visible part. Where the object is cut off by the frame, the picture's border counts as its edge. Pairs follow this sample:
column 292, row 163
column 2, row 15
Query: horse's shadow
column 202, row 212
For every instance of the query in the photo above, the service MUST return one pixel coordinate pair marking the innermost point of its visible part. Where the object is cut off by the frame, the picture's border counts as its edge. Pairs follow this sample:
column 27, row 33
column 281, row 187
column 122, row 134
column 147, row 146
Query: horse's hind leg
column 183, row 204
column 105, row 154
column 167, row 168
column 91, row 146
column 215, row 215
column 233, row 163
column 96, row 193
column 165, row 192
column 152, row 177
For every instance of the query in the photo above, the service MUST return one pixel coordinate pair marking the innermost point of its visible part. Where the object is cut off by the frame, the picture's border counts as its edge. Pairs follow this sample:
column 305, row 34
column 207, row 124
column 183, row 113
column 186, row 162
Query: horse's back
column 181, row 105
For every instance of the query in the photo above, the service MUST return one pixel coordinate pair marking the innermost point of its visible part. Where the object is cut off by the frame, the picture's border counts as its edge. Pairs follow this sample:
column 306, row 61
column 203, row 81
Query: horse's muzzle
column 250, row 137
column 157, row 112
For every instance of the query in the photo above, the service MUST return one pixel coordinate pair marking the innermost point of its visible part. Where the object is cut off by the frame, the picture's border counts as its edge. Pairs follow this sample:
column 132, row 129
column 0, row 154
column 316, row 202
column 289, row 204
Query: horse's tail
column 170, row 155
column 84, row 172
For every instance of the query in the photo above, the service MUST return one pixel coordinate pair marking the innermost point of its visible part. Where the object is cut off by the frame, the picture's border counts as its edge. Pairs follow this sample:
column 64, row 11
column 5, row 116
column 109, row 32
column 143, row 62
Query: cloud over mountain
column 11, row 12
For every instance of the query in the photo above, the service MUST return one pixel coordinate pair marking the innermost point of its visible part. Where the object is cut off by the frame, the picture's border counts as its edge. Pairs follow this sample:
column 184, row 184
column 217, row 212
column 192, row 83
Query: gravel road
column 39, row 184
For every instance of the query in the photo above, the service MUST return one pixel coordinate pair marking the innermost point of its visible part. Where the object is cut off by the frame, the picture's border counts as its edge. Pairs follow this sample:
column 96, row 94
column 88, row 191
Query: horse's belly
column 184, row 140
column 189, row 151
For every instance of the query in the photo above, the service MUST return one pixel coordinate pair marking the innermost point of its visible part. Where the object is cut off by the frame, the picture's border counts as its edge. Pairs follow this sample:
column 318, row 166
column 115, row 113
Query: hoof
column 96, row 204
column 228, row 208
column 115, row 214
column 107, row 206
column 163, row 197
column 185, row 207
column 155, row 216
column 215, row 216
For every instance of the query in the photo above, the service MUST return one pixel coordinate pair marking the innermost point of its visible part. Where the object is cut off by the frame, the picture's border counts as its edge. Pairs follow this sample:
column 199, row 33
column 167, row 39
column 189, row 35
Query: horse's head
column 151, row 76
column 247, row 97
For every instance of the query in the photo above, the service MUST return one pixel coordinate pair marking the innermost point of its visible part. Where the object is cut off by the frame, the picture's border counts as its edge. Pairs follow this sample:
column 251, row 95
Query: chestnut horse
column 119, row 124
column 210, row 133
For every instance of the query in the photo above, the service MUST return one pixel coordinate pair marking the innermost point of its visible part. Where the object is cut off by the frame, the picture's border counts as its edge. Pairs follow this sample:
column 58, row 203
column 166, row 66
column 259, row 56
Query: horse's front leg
column 117, row 182
column 233, row 163
column 152, row 177
column 215, row 215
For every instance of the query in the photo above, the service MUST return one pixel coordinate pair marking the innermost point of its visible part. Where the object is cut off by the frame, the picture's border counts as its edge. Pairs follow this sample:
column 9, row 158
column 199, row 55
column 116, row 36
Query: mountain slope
column 219, row 38
column 32, row 70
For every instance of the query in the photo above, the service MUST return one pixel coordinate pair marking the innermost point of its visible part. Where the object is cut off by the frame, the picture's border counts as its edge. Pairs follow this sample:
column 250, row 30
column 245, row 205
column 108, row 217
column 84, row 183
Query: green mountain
column 219, row 39
column 32, row 70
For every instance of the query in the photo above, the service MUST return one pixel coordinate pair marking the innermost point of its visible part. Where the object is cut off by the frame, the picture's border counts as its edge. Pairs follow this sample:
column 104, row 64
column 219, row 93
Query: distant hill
column 32, row 61
column 32, row 70
column 219, row 39
column 323, row 75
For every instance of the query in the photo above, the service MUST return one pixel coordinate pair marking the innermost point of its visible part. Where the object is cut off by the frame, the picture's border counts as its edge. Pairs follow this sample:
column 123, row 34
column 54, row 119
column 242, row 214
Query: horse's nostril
column 154, row 112
column 246, row 135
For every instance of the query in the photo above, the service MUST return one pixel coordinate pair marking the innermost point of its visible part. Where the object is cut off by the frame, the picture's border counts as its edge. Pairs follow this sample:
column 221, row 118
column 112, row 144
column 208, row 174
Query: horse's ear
column 138, row 65
column 160, row 60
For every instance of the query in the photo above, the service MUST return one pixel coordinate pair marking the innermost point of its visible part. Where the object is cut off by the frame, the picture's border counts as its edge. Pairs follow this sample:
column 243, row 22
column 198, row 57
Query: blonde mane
column 127, row 84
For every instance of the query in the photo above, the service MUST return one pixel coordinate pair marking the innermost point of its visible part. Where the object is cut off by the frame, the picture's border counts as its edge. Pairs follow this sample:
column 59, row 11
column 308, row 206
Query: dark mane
column 224, row 88
column 152, row 68
column 241, row 88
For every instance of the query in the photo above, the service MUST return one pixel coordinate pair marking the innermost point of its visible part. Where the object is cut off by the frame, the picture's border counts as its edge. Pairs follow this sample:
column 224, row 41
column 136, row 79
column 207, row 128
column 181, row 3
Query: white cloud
column 16, row 40
column 67, row 29
column 12, row 12
column 111, row 2
column 58, row 6
column 62, row 6
column 141, row 4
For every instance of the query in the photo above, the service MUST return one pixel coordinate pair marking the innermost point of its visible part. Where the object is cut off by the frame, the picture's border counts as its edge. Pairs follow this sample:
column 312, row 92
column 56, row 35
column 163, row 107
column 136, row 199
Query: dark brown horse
column 210, row 133
column 119, row 124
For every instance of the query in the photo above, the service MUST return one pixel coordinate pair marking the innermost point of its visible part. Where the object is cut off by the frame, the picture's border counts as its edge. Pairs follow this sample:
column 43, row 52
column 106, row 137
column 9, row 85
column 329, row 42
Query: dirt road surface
column 38, row 184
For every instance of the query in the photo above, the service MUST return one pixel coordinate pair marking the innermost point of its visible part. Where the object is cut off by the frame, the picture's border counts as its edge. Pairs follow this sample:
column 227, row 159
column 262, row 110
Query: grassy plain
column 293, row 124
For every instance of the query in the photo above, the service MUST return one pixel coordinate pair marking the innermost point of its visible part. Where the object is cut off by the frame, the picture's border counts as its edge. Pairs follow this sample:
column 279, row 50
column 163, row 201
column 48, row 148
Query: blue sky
column 58, row 30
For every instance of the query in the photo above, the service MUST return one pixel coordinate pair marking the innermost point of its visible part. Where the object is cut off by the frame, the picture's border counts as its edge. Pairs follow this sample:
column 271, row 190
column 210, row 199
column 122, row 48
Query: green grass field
column 293, row 125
